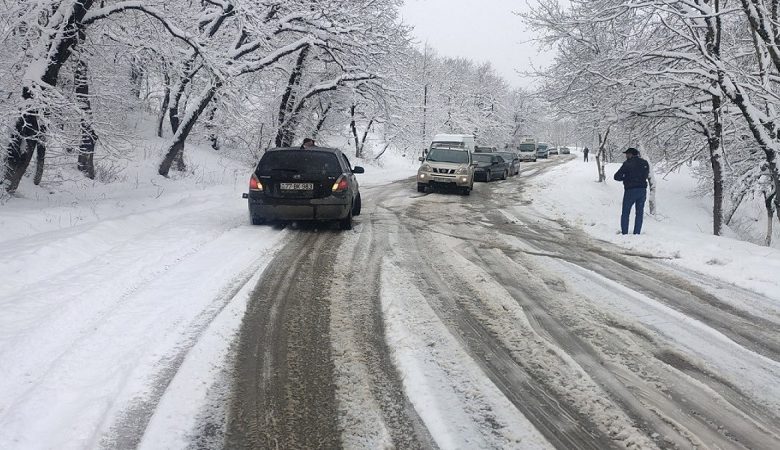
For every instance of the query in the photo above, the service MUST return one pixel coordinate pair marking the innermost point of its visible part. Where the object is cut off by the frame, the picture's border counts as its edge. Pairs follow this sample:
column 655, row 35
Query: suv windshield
column 299, row 161
column 447, row 155
column 542, row 147
column 447, row 145
column 527, row 147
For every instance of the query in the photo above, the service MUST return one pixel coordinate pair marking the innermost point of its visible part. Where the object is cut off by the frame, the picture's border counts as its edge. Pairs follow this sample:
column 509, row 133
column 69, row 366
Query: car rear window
column 483, row 157
column 299, row 161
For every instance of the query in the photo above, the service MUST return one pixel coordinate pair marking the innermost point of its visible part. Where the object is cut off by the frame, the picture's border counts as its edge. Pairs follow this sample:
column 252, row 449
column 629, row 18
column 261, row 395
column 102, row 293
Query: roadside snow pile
column 679, row 231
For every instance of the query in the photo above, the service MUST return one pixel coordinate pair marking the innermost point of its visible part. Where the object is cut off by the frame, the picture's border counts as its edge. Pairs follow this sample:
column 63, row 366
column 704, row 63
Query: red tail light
column 341, row 184
column 255, row 184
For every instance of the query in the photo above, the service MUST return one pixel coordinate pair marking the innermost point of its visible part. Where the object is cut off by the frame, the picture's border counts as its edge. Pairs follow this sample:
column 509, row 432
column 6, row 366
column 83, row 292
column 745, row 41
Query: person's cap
column 632, row 151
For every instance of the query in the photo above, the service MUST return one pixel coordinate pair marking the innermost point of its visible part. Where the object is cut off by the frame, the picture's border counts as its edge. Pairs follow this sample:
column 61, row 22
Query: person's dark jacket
column 633, row 173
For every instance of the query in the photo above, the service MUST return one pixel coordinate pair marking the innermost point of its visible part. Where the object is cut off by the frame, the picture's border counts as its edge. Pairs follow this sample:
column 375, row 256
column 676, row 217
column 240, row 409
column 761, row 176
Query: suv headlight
column 462, row 171
column 425, row 168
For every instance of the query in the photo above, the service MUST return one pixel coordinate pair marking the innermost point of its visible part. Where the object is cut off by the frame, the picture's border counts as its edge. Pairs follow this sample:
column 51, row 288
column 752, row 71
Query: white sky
column 482, row 30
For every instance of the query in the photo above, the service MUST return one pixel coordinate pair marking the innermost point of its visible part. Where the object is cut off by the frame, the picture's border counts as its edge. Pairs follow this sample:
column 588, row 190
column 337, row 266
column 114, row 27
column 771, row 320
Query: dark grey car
column 291, row 184
column 513, row 160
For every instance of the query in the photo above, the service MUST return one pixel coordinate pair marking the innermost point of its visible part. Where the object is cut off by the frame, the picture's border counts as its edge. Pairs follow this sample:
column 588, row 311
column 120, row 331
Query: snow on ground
column 679, row 231
column 116, row 296
column 459, row 405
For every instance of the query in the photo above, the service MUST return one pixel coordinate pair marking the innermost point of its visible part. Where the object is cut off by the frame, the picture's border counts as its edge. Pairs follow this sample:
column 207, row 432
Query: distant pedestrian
column 308, row 143
column 585, row 152
column 634, row 174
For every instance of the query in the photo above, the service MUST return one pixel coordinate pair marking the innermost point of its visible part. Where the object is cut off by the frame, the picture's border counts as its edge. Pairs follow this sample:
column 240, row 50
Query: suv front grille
column 445, row 171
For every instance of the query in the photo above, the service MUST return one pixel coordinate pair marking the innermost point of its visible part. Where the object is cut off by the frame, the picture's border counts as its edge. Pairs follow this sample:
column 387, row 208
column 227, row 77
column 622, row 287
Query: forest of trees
column 688, row 81
column 230, row 74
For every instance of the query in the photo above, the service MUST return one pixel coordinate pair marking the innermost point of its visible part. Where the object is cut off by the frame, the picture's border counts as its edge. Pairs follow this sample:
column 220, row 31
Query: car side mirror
column 421, row 158
column 358, row 169
column 474, row 164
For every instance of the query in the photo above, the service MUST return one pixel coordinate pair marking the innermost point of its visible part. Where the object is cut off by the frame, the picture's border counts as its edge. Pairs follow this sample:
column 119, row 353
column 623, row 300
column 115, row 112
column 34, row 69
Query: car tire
column 465, row 191
column 346, row 223
column 504, row 175
column 358, row 206
column 256, row 220
column 420, row 187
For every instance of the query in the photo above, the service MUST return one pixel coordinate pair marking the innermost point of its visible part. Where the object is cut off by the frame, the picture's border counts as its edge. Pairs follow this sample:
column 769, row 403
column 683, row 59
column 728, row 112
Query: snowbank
column 680, row 229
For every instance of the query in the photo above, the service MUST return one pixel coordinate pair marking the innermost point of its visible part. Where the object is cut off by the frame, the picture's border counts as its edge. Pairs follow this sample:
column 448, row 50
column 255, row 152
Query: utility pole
column 425, row 97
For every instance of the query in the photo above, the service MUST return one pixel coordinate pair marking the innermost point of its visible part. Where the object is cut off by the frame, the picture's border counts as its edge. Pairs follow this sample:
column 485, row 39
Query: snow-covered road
column 439, row 321
column 476, row 322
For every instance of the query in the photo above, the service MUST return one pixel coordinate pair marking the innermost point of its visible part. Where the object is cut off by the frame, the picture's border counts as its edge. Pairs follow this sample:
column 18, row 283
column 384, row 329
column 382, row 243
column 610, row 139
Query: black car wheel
column 465, row 190
column 256, row 220
column 420, row 187
column 346, row 223
column 358, row 206
column 503, row 175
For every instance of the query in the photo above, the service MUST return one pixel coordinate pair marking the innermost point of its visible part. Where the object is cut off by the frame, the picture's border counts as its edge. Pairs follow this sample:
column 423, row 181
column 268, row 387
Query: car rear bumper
column 299, row 209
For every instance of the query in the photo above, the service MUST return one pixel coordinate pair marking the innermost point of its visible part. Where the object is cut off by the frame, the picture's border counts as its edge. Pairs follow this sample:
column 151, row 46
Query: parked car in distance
column 513, row 160
column 292, row 184
column 526, row 151
column 541, row 150
column 444, row 167
column 490, row 167
column 552, row 151
column 565, row 151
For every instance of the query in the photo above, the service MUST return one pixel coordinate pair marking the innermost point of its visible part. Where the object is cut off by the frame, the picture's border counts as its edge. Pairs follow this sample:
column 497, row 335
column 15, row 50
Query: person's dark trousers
column 586, row 157
column 633, row 197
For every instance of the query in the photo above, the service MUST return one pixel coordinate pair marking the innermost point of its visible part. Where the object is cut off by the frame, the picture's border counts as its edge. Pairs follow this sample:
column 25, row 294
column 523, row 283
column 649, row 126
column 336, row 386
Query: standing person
column 308, row 143
column 634, row 174
column 585, row 152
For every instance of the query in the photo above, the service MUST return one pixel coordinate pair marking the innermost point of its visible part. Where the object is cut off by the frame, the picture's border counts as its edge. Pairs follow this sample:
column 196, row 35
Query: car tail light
column 340, row 185
column 255, row 184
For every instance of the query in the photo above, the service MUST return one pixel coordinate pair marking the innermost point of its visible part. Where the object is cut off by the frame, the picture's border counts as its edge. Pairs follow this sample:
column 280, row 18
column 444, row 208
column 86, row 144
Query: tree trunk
column 28, row 129
column 365, row 135
column 86, row 163
column 136, row 77
column 178, row 92
column 40, row 154
column 771, row 210
column 165, row 102
column 321, row 122
column 601, row 155
column 175, row 151
column 213, row 137
column 353, row 127
column 286, row 119
column 716, row 155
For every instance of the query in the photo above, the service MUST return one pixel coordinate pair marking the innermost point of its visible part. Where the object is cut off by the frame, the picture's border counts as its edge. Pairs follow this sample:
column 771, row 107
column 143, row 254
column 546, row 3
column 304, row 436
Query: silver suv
column 446, row 167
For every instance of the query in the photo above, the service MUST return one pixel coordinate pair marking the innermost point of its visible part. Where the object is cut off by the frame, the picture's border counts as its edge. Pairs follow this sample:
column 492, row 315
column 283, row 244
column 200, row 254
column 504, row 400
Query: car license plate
column 296, row 186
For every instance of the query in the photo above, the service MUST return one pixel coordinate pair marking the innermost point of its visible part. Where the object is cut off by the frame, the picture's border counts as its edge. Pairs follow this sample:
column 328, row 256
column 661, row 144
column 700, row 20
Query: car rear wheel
column 358, row 206
column 420, row 187
column 256, row 220
column 346, row 223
